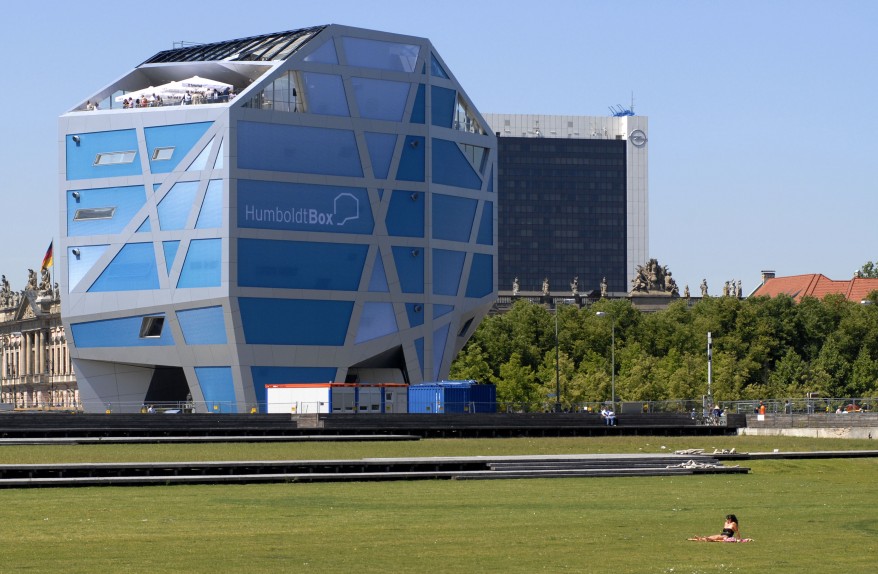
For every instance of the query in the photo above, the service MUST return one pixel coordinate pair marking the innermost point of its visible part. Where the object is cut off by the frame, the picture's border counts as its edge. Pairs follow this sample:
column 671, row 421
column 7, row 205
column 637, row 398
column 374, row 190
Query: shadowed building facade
column 309, row 206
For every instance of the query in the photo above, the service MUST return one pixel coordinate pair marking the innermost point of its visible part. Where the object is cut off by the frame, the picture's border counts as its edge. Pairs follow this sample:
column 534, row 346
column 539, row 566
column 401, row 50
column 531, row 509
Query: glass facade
column 562, row 212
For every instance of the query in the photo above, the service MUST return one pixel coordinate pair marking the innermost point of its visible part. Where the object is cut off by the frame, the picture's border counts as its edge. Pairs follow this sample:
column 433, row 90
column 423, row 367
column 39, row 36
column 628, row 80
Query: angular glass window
column 162, row 153
column 436, row 68
column 94, row 213
column 151, row 327
column 115, row 157
column 325, row 94
column 381, row 55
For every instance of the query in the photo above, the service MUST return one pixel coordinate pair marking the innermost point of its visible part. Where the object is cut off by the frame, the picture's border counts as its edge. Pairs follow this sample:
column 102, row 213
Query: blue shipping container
column 452, row 397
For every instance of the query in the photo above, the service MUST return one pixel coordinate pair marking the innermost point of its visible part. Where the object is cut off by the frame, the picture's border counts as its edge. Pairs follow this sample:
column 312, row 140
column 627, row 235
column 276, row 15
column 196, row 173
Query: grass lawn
column 806, row 515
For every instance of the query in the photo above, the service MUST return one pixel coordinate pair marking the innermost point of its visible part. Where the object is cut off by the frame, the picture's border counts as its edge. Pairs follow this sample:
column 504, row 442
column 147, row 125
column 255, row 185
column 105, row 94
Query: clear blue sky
column 763, row 130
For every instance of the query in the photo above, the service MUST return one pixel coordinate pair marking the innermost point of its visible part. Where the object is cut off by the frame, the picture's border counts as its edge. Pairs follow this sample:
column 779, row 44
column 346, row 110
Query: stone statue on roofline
column 546, row 286
column 574, row 286
column 704, row 288
column 516, row 287
column 604, row 288
column 654, row 279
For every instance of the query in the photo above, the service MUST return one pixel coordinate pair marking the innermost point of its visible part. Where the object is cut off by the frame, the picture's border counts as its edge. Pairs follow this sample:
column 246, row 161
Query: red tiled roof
column 816, row 285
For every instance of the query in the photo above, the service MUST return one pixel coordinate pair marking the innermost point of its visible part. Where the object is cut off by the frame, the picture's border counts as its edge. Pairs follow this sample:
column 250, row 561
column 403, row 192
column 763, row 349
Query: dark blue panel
column 439, row 310
column 378, row 281
column 420, row 105
column 218, row 388
column 436, row 68
column 447, row 269
column 303, row 207
column 81, row 156
column 486, row 225
column 451, row 167
column 295, row 321
column 411, row 163
column 453, row 217
column 442, row 107
column 181, row 137
column 405, row 214
column 204, row 326
column 376, row 320
column 381, row 148
column 201, row 267
column 124, row 332
column 127, row 202
column 300, row 264
column 298, row 149
column 133, row 269
column 481, row 276
column 440, row 337
column 409, row 263
column 380, row 99
column 491, row 181
column 419, row 349
column 415, row 312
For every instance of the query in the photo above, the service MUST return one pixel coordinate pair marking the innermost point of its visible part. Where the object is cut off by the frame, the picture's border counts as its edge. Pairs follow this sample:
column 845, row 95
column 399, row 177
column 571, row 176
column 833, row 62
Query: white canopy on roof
column 195, row 83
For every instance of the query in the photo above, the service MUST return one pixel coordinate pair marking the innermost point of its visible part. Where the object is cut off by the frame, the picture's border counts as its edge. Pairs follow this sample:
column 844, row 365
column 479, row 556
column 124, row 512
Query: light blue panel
column 202, row 265
column 325, row 54
column 419, row 349
column 409, row 263
column 411, row 163
column 170, row 248
column 79, row 265
column 381, row 55
column 481, row 276
column 405, row 214
column 453, row 217
column 294, row 321
column 145, row 227
column 126, row 200
column 415, row 312
column 326, row 94
column 300, row 264
column 303, row 207
column 81, row 156
column 439, row 310
column 436, row 68
column 378, row 281
column 447, row 269
column 298, row 149
column 133, row 269
column 218, row 388
column 486, row 225
column 204, row 326
column 451, row 167
column 124, row 332
column 380, row 99
column 211, row 214
column 440, row 336
column 219, row 161
column 181, row 137
column 200, row 162
column 381, row 148
column 442, row 107
column 376, row 320
column 418, row 115
column 176, row 205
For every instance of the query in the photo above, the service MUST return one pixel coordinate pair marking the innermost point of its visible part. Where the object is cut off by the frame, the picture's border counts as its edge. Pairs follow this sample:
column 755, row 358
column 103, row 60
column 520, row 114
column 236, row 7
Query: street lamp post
column 612, row 356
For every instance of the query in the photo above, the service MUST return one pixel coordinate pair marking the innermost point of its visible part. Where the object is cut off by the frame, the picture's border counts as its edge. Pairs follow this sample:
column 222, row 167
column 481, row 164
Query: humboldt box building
column 302, row 207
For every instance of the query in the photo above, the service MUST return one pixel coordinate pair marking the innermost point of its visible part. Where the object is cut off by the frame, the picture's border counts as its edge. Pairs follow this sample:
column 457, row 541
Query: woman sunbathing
column 730, row 532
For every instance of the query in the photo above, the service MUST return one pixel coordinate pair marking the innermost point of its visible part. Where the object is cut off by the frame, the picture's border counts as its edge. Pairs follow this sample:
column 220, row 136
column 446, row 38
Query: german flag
column 48, row 259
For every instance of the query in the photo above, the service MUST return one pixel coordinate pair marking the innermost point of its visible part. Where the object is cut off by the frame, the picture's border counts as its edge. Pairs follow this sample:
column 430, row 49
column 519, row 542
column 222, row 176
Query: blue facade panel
column 418, row 116
column 81, row 261
column 447, row 269
column 380, row 99
column 298, row 149
column 442, row 109
column 217, row 386
column 124, row 203
column 303, row 207
column 176, row 205
column 415, row 313
column 202, row 267
column 405, row 214
column 82, row 155
column 451, row 167
column 211, row 214
column 481, row 276
column 376, row 320
column 284, row 375
column 204, row 326
column 133, row 269
column 410, row 268
column 486, row 225
column 412, row 160
column 294, row 321
column 453, row 217
column 381, row 147
column 123, row 332
column 180, row 138
column 300, row 264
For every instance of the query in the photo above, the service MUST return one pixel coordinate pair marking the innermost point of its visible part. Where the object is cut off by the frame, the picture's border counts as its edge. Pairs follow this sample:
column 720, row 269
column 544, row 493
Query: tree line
column 763, row 348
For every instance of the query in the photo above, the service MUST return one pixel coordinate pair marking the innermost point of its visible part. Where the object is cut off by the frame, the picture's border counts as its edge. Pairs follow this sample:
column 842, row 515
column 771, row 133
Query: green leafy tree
column 869, row 269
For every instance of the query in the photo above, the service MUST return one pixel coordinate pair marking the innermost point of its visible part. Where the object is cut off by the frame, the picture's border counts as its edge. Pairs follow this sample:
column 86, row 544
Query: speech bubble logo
column 346, row 207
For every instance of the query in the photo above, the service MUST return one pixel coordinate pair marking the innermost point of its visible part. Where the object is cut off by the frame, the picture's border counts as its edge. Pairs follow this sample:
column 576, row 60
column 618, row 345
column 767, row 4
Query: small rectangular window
column 115, row 157
column 162, row 153
column 151, row 327
column 94, row 213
